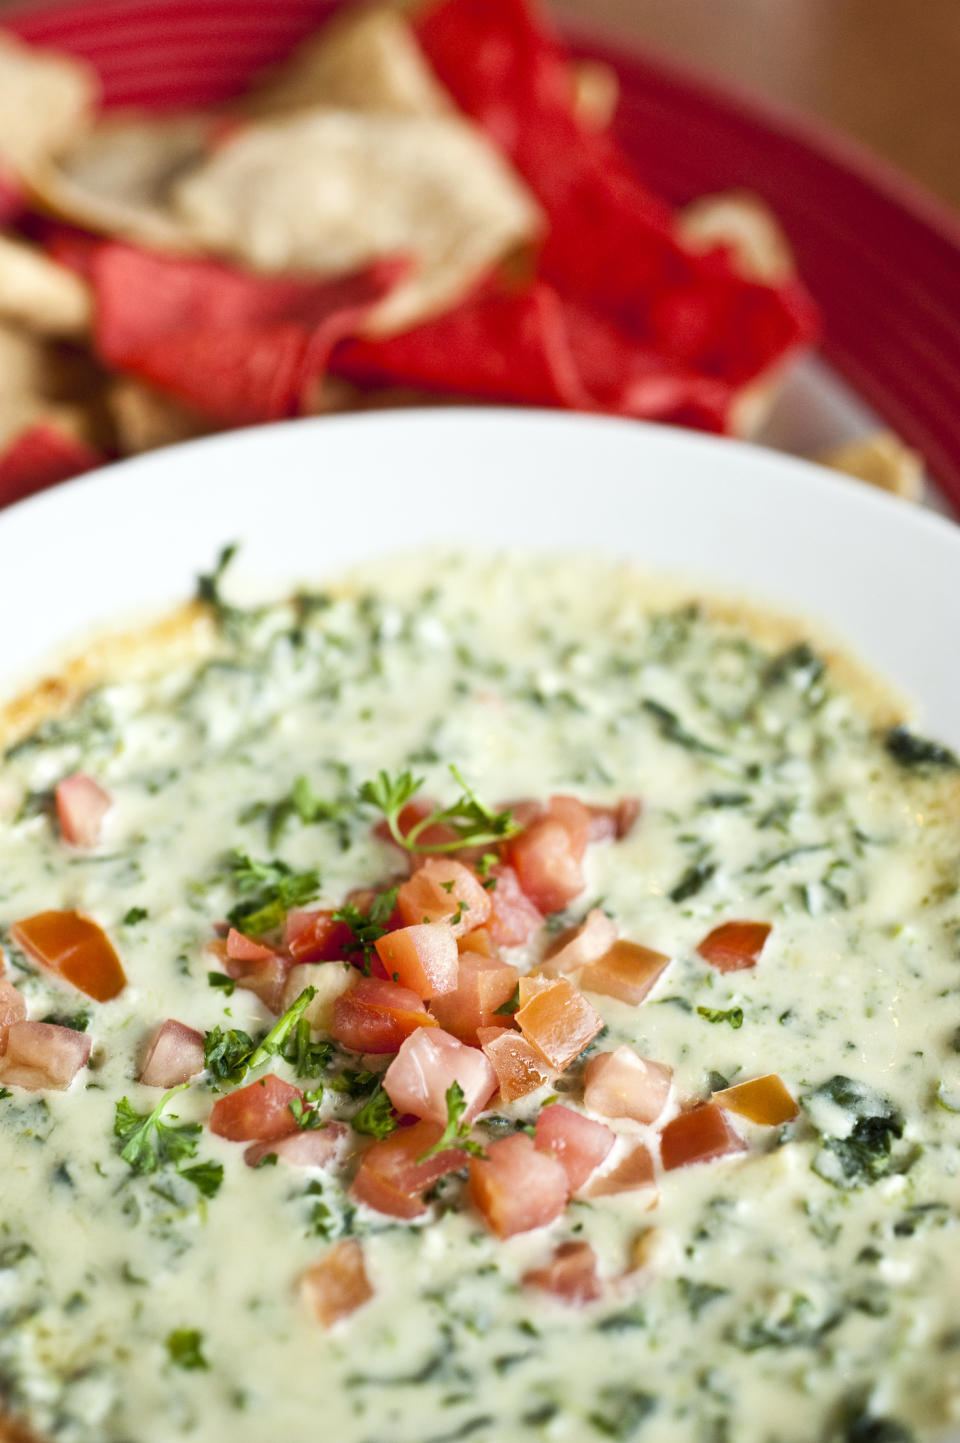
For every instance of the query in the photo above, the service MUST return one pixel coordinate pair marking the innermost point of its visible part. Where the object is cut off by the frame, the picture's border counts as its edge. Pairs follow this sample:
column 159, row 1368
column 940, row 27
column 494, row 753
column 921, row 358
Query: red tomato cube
column 390, row 1178
column 42, row 1055
column 313, row 936
column 338, row 1284
column 571, row 1274
column 520, row 1068
column 13, row 1008
column 579, row 1144
column 627, row 971
column 76, row 949
column 423, row 958
column 516, row 1188
column 429, row 1062
column 483, row 985
column 174, row 1056
column 702, row 1135
column 375, row 1016
column 764, row 1100
column 633, row 1170
column 444, row 890
column 259, row 1112
column 82, row 805
column 621, row 1084
column 556, row 1018
column 733, row 946
column 513, row 917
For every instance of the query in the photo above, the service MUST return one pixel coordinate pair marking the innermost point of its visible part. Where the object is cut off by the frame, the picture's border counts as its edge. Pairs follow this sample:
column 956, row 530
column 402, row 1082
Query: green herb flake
column 135, row 915
column 733, row 1015
column 185, row 1346
column 207, row 1177
column 916, row 752
column 272, row 889
column 473, row 824
column 456, row 1134
column 376, row 1118
column 147, row 1143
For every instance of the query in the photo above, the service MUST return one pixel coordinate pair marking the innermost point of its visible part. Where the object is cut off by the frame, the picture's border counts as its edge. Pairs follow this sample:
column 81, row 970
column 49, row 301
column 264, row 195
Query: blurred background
column 885, row 71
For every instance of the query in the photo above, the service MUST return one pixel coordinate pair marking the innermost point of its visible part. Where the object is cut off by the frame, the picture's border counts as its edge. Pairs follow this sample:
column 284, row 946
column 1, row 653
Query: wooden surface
column 885, row 71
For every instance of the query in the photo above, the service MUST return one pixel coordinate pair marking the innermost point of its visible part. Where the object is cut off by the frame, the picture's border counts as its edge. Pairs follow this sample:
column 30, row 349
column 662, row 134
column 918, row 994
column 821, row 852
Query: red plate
column 881, row 257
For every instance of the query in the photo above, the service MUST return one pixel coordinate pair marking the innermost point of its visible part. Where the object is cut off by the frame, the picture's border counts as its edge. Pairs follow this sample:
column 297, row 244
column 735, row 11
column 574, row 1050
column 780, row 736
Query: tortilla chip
column 366, row 59
column 612, row 244
column 743, row 225
column 596, row 92
column 39, row 294
column 117, row 179
column 24, row 364
column 536, row 349
column 38, row 449
column 881, row 460
column 46, row 99
column 145, row 419
column 332, row 191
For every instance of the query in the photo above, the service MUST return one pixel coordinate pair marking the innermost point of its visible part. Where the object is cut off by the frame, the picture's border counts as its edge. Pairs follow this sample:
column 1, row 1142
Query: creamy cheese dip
column 806, row 1290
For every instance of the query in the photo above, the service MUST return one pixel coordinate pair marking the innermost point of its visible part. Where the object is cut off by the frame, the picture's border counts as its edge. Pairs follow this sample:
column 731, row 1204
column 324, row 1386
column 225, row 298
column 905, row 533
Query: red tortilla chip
column 540, row 350
column 611, row 244
column 238, row 376
column 12, row 198
column 40, row 457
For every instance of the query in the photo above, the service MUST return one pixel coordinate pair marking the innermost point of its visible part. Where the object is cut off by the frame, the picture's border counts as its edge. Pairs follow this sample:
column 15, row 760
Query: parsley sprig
column 367, row 927
column 301, row 804
column 148, row 1142
column 473, row 824
column 230, row 1055
column 376, row 1117
column 271, row 890
column 457, row 1131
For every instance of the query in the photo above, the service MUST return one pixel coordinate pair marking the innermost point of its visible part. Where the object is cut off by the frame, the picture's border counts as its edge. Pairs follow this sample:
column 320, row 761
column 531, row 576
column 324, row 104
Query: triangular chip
column 331, row 191
column 145, row 418
column 365, row 59
column 743, row 225
column 46, row 100
column 117, row 179
column 39, row 294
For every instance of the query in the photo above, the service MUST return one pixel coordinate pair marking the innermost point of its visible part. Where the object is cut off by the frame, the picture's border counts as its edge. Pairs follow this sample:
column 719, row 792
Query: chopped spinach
column 694, row 879
column 185, row 1346
column 376, row 1118
column 271, row 890
column 858, row 1128
column 621, row 1411
column 913, row 751
column 733, row 1015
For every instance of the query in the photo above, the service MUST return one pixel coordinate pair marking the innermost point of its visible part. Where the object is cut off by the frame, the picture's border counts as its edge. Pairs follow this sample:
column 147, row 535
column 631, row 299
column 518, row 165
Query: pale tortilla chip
column 19, row 413
column 39, row 294
column 46, row 99
column 144, row 420
column 24, row 364
column 328, row 191
column 881, row 460
column 596, row 92
column 117, row 179
column 367, row 59
column 744, row 223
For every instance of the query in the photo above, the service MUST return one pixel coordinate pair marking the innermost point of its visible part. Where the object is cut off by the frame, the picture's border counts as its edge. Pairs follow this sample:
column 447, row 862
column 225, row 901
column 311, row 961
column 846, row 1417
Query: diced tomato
column 621, row 1084
column 571, row 1274
column 174, row 1056
column 423, row 958
column 376, row 1016
column 267, row 977
column 703, row 1135
column 764, row 1100
column 76, row 949
column 632, row 1171
column 483, row 984
column 309, row 1147
column 513, row 917
column 586, row 943
column 548, row 860
column 329, row 980
column 479, row 940
column 259, row 1112
column 82, row 805
column 392, row 1181
column 444, row 890
column 519, row 1066
column 556, row 1018
column 733, row 946
column 579, row 1144
column 42, row 1055
column 516, row 1188
column 313, row 936
column 427, row 1065
column 627, row 971
column 13, row 1008
column 245, row 949
column 574, row 815
column 614, row 823
column 338, row 1284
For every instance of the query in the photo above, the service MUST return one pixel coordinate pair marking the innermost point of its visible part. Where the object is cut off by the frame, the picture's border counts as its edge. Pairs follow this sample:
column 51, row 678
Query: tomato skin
column 621, row 1084
column 423, row 957
column 259, row 1112
column 314, row 1147
column 578, row 1143
column 516, row 1188
column 627, row 971
column 13, row 1008
column 581, row 945
column 76, row 949
column 571, row 1274
column 376, row 1015
column 241, row 948
column 702, row 1135
column 338, row 1284
column 444, row 890
column 556, row 1019
column 392, row 1181
column 633, row 1171
column 734, row 946
column 520, row 1068
column 513, row 917
column 313, row 936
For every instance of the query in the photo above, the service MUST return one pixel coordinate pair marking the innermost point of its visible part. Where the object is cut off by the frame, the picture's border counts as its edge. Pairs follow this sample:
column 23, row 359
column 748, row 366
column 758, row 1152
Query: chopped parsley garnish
column 733, row 1015
column 457, row 1132
column 76, row 1021
column 303, row 805
column 911, row 750
column 208, row 586
column 473, row 824
column 220, row 980
column 305, row 1110
column 368, row 927
column 511, row 1005
column 376, row 1117
column 135, row 915
column 308, row 1059
column 230, row 1055
column 185, row 1346
column 147, row 1142
column 5, row 1093
column 205, row 1176
column 272, row 889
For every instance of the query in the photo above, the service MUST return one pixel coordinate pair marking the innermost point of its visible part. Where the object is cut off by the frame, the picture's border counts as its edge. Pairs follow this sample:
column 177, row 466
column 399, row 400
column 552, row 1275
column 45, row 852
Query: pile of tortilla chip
column 422, row 204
